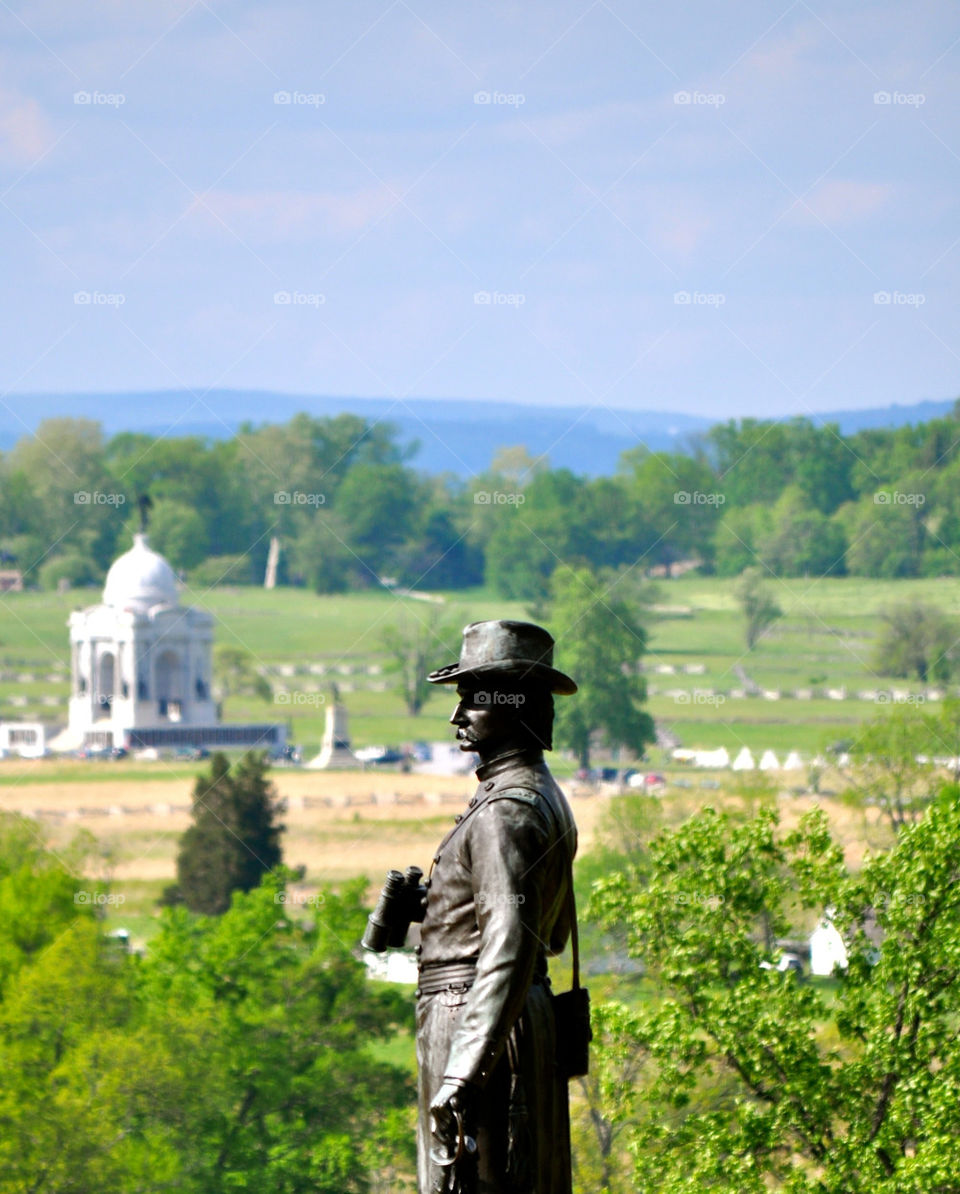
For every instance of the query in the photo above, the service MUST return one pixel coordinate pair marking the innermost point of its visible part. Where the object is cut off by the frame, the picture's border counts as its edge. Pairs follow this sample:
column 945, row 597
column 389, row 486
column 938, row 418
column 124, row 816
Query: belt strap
column 434, row 979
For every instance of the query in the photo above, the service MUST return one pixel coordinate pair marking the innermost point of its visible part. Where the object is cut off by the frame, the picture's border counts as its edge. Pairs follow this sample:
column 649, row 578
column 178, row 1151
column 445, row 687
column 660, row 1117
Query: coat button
column 489, row 784
column 436, row 858
column 473, row 801
column 458, row 818
column 419, row 950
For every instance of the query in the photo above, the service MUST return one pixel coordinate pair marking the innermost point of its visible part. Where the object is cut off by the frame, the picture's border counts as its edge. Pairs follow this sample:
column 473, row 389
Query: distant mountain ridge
column 455, row 435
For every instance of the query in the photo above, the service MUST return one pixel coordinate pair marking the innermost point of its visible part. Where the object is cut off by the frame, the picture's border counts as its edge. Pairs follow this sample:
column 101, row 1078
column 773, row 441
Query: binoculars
column 402, row 901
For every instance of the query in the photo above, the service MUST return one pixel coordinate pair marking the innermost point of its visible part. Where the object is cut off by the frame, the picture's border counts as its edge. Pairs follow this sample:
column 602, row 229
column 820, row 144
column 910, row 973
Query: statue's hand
column 450, row 1100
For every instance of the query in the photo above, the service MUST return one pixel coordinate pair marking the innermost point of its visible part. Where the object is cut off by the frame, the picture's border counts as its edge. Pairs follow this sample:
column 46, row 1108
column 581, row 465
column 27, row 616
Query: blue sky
column 697, row 207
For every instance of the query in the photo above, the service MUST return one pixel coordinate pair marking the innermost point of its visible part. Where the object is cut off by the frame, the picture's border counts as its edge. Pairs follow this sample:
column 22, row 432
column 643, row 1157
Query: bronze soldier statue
column 493, row 1111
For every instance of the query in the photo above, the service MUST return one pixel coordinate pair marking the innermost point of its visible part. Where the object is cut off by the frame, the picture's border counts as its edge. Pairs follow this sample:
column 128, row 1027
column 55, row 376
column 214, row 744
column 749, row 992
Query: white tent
column 744, row 761
column 714, row 759
column 827, row 949
column 769, row 761
column 793, row 762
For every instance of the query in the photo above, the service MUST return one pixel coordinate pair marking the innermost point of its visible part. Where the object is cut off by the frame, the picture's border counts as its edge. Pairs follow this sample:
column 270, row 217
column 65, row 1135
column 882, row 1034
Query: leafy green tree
column 600, row 642
column 377, row 503
column 802, row 541
column 321, row 557
column 759, row 608
column 886, row 539
column 916, row 640
column 235, row 674
column 179, row 532
column 237, row 1054
column 535, row 535
column 38, row 893
column 413, row 644
column 845, row 1090
column 73, row 567
column 68, row 482
column 235, row 837
column 891, row 766
column 739, row 536
column 605, row 1109
column 675, row 503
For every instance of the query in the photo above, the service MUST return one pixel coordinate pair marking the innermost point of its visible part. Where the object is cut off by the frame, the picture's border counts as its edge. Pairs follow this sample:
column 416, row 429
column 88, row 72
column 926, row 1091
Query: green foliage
column 72, row 567
column 421, row 635
column 917, row 640
column 758, row 606
column 600, row 643
column 235, row 674
column 222, row 570
column 179, row 532
column 891, row 762
column 799, row 499
column 235, row 837
column 234, row 1056
column 758, row 1081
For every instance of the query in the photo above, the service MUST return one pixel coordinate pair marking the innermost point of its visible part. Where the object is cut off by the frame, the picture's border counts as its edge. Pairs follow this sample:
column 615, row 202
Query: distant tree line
column 350, row 510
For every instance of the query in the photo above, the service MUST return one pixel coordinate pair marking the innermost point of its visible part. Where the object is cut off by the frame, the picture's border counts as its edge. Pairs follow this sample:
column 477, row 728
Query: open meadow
column 696, row 662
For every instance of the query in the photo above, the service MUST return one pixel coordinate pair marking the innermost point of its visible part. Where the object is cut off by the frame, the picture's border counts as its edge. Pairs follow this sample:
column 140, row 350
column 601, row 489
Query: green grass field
column 824, row 639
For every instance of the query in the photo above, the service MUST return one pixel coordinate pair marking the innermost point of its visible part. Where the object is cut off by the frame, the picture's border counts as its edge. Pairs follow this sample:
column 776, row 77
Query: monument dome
column 140, row 579
column 142, row 667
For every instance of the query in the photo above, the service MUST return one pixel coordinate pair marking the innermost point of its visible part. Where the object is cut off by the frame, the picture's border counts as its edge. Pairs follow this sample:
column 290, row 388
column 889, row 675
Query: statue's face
column 485, row 718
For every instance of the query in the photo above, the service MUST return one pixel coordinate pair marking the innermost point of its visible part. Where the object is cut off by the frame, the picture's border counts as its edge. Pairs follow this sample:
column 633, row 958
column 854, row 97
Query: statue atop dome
column 145, row 502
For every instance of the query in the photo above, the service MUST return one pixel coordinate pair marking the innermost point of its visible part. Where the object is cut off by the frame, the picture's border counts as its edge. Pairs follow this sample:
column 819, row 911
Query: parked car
column 786, row 961
column 378, row 754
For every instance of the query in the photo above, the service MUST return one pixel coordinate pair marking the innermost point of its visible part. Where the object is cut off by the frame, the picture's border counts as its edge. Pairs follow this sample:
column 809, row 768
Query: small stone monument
column 335, row 753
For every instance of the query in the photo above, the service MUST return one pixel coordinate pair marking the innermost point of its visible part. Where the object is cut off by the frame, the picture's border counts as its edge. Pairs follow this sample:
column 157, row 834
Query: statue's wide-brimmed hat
column 520, row 650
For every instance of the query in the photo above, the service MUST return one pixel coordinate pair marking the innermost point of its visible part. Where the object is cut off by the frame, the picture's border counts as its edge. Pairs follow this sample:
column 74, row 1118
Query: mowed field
column 825, row 640
column 339, row 826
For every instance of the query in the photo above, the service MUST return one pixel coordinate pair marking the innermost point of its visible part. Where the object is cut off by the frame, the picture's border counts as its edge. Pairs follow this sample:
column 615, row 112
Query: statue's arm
column 507, row 850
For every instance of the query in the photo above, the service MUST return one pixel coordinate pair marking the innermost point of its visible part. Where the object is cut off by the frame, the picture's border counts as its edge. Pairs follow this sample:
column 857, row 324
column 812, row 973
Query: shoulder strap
column 574, row 936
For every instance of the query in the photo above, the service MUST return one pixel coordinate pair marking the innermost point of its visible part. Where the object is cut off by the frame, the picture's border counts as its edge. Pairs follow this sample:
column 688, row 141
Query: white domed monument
column 141, row 666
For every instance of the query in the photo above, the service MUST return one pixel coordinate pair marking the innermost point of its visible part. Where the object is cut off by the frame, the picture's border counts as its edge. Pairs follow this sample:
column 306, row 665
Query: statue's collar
column 510, row 759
